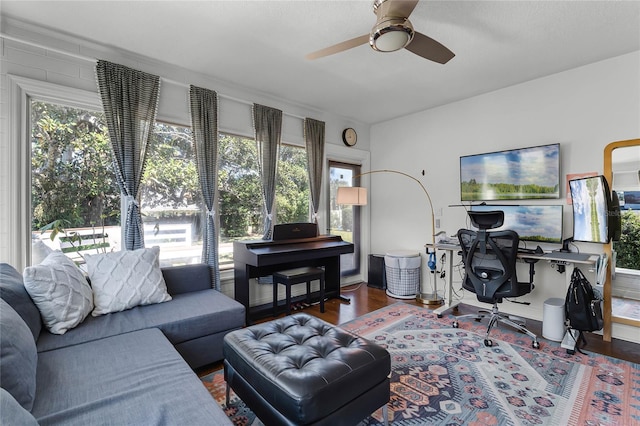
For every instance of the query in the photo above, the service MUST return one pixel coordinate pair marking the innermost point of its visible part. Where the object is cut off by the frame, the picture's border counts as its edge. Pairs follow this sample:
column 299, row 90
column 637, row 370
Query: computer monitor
column 591, row 202
column 540, row 223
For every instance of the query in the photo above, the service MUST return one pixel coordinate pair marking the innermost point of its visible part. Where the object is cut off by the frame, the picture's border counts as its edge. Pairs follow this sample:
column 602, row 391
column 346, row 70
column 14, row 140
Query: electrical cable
column 342, row 290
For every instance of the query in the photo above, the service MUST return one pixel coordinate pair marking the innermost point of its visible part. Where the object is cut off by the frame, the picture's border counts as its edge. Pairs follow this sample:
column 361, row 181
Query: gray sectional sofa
column 129, row 367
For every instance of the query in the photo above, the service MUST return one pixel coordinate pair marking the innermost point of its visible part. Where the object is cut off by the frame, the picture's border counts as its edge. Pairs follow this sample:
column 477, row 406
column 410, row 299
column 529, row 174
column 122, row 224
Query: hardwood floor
column 366, row 299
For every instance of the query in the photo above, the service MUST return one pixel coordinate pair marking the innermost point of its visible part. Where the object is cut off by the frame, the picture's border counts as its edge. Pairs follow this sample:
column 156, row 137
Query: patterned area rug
column 446, row 376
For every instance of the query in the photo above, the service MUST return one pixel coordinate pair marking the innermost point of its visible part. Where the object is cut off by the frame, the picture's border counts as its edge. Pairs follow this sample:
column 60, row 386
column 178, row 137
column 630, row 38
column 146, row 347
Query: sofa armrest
column 187, row 278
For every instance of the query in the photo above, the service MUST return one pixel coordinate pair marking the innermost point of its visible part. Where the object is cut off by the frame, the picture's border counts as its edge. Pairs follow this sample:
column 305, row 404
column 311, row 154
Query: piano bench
column 297, row 276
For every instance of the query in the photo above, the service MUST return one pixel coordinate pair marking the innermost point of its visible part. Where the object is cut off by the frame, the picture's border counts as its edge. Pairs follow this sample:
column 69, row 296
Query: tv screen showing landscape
column 590, row 220
column 532, row 223
column 517, row 174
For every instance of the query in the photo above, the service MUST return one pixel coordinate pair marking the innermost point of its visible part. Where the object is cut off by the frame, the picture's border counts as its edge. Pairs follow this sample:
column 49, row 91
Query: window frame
column 22, row 92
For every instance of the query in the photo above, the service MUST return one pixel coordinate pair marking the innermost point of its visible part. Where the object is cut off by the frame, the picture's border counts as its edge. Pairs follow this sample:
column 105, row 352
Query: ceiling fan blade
column 340, row 47
column 396, row 8
column 430, row 49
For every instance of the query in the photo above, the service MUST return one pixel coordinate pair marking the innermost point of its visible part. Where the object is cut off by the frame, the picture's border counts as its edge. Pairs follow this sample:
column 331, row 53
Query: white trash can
column 403, row 273
column 553, row 327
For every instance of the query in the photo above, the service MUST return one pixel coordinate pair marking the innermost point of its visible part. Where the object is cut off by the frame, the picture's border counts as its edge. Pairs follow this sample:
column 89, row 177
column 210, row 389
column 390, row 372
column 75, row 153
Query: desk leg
column 449, row 303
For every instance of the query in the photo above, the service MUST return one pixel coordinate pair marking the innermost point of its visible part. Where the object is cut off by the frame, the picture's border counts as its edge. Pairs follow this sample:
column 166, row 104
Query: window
column 344, row 220
column 293, row 199
column 74, row 189
column 170, row 199
column 239, row 194
column 74, row 197
column 240, row 191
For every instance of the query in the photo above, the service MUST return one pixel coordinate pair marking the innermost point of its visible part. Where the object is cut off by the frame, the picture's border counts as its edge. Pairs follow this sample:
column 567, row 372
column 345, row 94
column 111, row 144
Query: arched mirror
column 622, row 286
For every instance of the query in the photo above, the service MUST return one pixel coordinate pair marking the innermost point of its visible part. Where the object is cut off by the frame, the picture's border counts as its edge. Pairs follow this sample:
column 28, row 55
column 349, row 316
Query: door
column 345, row 220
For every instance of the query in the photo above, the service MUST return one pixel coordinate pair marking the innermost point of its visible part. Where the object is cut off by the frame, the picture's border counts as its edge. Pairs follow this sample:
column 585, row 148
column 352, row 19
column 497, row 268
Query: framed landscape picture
column 517, row 174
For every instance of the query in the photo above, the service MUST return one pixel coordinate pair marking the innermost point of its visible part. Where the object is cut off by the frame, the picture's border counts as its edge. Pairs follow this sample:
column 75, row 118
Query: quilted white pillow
column 125, row 279
column 60, row 291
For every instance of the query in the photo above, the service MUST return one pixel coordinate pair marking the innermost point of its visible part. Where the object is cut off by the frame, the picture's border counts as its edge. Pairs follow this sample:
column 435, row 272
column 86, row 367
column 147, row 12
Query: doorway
column 345, row 220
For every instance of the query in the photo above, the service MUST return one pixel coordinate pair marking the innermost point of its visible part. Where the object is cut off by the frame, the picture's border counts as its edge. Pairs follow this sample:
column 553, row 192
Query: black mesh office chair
column 490, row 269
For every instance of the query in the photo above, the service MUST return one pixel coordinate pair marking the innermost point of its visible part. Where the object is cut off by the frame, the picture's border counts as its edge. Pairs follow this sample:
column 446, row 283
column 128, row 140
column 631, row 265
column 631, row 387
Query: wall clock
column 349, row 136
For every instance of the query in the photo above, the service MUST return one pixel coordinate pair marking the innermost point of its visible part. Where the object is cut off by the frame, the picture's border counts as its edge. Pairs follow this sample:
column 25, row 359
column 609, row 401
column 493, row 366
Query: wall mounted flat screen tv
column 590, row 198
column 517, row 174
column 532, row 223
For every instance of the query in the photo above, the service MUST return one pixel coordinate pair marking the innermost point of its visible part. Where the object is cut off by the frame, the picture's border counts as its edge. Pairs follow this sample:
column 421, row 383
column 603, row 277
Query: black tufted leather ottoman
column 301, row 370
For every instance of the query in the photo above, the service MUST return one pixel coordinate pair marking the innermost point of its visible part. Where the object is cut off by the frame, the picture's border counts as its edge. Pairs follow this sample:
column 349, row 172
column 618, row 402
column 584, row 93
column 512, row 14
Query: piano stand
column 343, row 299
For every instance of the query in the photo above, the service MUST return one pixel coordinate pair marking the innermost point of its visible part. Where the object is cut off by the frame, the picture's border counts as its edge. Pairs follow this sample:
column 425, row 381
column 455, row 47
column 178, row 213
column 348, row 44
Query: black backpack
column 582, row 307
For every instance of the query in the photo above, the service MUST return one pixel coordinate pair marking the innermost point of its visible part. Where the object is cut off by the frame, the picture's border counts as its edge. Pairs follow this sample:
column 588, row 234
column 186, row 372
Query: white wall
column 583, row 109
column 45, row 56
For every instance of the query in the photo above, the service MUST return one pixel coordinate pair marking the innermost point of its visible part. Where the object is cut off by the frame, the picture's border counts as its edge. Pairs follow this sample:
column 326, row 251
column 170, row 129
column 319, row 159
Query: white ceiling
column 261, row 45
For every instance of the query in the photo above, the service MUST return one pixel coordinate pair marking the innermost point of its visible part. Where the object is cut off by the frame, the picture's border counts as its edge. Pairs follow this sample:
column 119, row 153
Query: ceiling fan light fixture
column 391, row 35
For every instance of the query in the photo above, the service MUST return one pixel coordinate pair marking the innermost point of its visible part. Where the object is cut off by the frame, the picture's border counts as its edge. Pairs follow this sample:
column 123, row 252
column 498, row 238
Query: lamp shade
column 353, row 195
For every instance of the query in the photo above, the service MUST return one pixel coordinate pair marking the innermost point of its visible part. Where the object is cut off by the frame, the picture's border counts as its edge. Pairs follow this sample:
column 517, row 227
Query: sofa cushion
column 125, row 279
column 13, row 292
column 188, row 316
column 18, row 357
column 13, row 413
column 134, row 378
column 187, row 278
column 60, row 291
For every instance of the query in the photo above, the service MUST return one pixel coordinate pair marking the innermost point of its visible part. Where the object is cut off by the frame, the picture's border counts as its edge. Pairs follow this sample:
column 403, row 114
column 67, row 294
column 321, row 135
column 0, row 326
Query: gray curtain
column 268, row 127
column 314, row 139
column 130, row 100
column 204, row 126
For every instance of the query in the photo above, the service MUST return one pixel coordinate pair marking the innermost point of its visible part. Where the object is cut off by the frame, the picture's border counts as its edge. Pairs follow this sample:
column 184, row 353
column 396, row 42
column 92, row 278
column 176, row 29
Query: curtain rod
column 92, row 59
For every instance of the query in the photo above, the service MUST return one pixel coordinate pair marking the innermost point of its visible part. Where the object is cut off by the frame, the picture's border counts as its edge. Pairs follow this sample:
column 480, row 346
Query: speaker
column 377, row 274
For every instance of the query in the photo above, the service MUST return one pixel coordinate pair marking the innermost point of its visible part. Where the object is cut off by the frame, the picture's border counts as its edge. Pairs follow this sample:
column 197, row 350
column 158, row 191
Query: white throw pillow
column 125, row 279
column 39, row 251
column 60, row 291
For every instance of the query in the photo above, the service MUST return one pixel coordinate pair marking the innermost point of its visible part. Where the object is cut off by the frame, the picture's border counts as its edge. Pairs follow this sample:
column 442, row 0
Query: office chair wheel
column 535, row 344
column 455, row 324
column 488, row 342
column 439, row 315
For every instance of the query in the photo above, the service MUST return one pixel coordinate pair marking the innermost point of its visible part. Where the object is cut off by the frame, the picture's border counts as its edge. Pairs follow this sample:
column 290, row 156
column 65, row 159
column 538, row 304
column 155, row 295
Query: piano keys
column 257, row 258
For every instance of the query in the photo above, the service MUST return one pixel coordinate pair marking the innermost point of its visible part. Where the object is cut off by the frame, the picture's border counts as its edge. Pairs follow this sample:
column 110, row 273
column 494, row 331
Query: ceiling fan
column 393, row 31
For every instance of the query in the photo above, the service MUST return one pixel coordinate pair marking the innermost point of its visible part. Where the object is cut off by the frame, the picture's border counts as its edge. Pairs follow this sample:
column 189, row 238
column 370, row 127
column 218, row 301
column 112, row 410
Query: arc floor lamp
column 357, row 196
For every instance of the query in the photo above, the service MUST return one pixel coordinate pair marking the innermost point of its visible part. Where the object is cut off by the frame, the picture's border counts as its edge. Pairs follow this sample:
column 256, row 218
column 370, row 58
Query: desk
column 551, row 257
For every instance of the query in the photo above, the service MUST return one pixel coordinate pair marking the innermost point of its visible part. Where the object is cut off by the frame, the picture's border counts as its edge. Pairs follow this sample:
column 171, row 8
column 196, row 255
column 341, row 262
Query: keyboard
column 527, row 251
column 538, row 250
column 568, row 256
column 449, row 241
